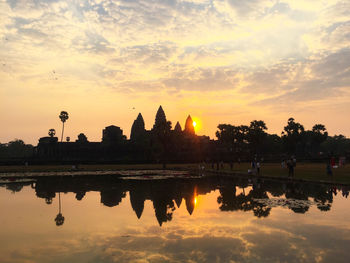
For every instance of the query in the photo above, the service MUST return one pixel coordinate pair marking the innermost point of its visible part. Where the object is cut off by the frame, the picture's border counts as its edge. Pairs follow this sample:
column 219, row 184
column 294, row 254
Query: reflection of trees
column 324, row 198
column 80, row 195
column 296, row 191
column 59, row 218
column 229, row 201
column 260, row 210
column 48, row 200
column 14, row 187
column 296, row 194
column 166, row 193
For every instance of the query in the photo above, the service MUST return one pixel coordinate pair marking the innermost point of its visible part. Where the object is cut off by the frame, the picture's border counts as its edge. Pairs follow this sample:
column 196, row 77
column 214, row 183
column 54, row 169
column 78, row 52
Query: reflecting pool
column 184, row 218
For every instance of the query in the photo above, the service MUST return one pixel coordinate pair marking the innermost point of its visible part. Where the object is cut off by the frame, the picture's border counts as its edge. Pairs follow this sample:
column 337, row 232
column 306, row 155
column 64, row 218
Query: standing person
column 258, row 167
column 333, row 161
column 329, row 169
column 290, row 165
column 253, row 167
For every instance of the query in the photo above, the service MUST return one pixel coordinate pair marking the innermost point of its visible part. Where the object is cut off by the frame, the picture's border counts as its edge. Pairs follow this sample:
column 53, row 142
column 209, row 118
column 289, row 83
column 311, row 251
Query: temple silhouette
column 161, row 144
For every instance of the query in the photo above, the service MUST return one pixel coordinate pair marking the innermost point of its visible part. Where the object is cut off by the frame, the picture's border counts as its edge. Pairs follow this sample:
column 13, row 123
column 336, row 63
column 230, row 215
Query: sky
column 222, row 61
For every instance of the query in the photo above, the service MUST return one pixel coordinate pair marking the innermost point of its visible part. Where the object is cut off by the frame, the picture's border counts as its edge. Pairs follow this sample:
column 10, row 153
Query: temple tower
column 189, row 128
column 137, row 128
column 178, row 128
column 160, row 118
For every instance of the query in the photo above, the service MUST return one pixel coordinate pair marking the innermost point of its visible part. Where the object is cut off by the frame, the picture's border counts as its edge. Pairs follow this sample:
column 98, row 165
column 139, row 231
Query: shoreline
column 308, row 173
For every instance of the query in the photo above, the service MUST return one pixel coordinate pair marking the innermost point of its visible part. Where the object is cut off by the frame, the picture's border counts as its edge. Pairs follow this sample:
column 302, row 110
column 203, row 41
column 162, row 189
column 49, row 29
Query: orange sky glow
column 221, row 61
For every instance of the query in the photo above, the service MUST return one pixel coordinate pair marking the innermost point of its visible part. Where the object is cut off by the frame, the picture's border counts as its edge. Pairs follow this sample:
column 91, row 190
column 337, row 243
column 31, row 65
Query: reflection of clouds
column 272, row 241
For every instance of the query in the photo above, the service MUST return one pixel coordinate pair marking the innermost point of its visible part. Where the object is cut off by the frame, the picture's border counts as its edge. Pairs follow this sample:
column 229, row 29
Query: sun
column 194, row 124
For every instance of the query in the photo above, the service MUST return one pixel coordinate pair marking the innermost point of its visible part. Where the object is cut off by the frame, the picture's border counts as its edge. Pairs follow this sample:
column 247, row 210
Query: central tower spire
column 160, row 117
column 189, row 128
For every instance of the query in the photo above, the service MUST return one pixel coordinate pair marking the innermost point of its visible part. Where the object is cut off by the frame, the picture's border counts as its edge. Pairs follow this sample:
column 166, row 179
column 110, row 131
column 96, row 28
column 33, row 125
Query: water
column 181, row 219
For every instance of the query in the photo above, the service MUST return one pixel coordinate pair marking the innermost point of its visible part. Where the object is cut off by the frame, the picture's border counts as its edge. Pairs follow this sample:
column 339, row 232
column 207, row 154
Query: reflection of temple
column 144, row 145
column 235, row 194
column 165, row 196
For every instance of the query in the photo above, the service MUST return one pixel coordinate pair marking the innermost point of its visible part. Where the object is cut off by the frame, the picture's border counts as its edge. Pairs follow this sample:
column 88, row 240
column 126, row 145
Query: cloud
column 263, row 53
column 313, row 80
column 263, row 241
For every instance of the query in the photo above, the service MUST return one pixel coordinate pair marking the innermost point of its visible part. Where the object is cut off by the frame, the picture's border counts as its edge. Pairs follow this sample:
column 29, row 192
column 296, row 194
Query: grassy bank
column 306, row 171
column 92, row 167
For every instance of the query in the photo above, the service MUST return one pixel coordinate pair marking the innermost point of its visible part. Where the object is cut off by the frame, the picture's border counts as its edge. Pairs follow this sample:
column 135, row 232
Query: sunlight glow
column 197, row 124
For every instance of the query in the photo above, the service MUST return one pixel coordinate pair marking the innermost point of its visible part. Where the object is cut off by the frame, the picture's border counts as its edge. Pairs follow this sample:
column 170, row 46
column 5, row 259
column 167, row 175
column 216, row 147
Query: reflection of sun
column 194, row 124
column 195, row 200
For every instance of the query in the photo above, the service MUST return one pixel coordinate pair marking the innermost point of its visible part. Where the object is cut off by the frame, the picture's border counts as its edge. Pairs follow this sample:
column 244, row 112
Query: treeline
column 253, row 140
column 16, row 149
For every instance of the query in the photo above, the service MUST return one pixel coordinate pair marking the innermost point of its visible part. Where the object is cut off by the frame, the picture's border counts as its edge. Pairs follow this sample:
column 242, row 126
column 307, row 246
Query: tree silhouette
column 314, row 138
column 52, row 132
column 82, row 138
column 320, row 134
column 292, row 135
column 63, row 116
column 256, row 134
column 234, row 138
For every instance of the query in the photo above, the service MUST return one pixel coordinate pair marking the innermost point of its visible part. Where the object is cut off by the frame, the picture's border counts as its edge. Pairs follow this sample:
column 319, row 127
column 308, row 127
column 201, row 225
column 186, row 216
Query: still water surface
column 147, row 219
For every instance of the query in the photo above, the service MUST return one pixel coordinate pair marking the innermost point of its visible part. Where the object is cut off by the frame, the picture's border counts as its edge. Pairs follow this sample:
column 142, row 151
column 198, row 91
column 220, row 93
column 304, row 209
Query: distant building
column 112, row 135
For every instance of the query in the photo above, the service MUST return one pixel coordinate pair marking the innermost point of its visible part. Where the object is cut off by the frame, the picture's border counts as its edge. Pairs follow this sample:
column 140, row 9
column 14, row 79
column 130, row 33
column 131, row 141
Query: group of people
column 255, row 167
column 290, row 164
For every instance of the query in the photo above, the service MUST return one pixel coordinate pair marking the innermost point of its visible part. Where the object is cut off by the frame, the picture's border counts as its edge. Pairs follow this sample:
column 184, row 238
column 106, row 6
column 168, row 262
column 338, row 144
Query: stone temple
column 161, row 142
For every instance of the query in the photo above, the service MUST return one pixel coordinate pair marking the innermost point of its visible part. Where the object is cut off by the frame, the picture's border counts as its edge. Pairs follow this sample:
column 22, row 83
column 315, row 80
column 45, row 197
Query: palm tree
column 63, row 116
column 52, row 132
